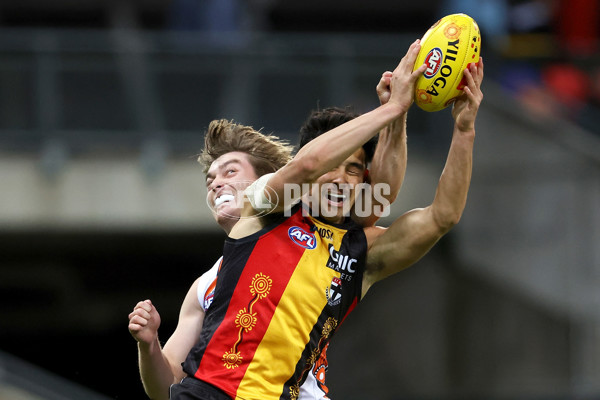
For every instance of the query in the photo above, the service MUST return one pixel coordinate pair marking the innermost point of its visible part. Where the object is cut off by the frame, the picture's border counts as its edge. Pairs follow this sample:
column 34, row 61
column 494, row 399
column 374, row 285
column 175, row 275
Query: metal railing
column 92, row 90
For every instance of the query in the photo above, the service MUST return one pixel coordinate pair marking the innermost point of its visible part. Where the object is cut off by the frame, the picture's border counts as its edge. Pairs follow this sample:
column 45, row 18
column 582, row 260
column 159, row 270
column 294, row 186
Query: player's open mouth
column 336, row 198
column 223, row 199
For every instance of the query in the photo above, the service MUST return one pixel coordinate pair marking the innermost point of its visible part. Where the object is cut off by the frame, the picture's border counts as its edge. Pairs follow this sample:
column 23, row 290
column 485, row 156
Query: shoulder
column 373, row 232
column 204, row 286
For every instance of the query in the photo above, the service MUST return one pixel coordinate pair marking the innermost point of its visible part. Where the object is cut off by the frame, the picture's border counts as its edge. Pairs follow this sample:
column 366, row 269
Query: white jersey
column 206, row 285
column 313, row 387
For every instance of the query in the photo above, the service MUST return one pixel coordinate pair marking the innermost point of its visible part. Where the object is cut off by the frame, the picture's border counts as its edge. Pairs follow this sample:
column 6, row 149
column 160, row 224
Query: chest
column 299, row 267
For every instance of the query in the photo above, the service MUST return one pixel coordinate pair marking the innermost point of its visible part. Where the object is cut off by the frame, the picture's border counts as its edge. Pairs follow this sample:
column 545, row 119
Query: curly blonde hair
column 267, row 153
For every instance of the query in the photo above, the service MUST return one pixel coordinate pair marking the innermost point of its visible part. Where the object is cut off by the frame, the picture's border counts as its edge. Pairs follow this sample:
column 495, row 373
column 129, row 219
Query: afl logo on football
column 302, row 238
column 433, row 62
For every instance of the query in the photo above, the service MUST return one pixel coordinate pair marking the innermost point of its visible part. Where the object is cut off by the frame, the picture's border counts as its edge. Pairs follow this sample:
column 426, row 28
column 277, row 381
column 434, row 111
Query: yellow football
column 447, row 48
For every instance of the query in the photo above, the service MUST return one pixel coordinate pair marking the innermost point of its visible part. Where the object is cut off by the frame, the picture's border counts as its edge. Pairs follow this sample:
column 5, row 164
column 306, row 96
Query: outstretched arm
column 388, row 165
column 413, row 234
column 332, row 148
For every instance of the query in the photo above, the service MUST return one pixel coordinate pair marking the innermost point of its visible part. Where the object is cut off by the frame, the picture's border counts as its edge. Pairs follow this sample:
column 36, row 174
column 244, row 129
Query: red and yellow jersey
column 314, row 386
column 281, row 294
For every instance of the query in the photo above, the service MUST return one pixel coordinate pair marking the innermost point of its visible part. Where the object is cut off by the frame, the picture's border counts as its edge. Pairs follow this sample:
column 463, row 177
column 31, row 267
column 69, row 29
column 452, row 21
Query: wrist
column 465, row 131
column 149, row 347
column 397, row 110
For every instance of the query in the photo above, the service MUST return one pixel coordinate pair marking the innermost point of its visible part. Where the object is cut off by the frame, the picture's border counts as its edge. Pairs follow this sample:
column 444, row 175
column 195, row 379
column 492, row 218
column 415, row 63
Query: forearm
column 387, row 168
column 389, row 161
column 332, row 148
column 451, row 194
column 155, row 371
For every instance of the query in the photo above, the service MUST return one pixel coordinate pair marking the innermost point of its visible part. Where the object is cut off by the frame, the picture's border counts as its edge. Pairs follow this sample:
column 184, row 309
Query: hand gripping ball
column 447, row 48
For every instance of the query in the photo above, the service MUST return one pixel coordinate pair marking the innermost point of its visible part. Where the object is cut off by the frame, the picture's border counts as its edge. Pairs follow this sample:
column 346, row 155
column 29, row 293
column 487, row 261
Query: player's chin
column 336, row 213
column 225, row 212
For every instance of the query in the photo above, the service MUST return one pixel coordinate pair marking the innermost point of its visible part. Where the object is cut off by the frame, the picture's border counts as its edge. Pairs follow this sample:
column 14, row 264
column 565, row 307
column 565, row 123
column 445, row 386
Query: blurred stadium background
column 103, row 105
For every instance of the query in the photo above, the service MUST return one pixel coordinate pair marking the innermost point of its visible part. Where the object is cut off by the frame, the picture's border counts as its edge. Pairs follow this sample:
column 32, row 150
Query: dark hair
column 321, row 121
column 267, row 153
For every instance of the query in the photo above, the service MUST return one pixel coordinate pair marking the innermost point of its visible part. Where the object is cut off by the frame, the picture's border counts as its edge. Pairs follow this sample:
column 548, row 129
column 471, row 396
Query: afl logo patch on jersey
column 302, row 238
column 208, row 299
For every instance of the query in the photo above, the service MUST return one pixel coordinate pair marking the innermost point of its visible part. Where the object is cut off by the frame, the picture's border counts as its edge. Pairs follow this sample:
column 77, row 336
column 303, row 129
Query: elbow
column 452, row 221
column 392, row 197
column 453, row 218
column 445, row 221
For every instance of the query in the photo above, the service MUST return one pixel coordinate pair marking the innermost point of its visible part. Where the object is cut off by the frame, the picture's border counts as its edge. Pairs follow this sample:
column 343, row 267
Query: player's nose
column 217, row 183
column 339, row 176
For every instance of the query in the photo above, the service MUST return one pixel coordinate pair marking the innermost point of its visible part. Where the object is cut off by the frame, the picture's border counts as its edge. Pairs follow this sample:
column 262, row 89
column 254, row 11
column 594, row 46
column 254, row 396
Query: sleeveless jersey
column 314, row 387
column 281, row 294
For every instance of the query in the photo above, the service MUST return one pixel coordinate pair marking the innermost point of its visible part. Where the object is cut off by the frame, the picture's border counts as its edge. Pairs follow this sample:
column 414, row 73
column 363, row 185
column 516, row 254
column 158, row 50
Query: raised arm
column 332, row 148
column 155, row 370
column 413, row 234
column 389, row 161
column 161, row 367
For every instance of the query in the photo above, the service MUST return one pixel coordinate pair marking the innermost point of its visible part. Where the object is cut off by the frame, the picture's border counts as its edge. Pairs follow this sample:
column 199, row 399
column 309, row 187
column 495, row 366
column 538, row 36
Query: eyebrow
column 356, row 164
column 222, row 166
